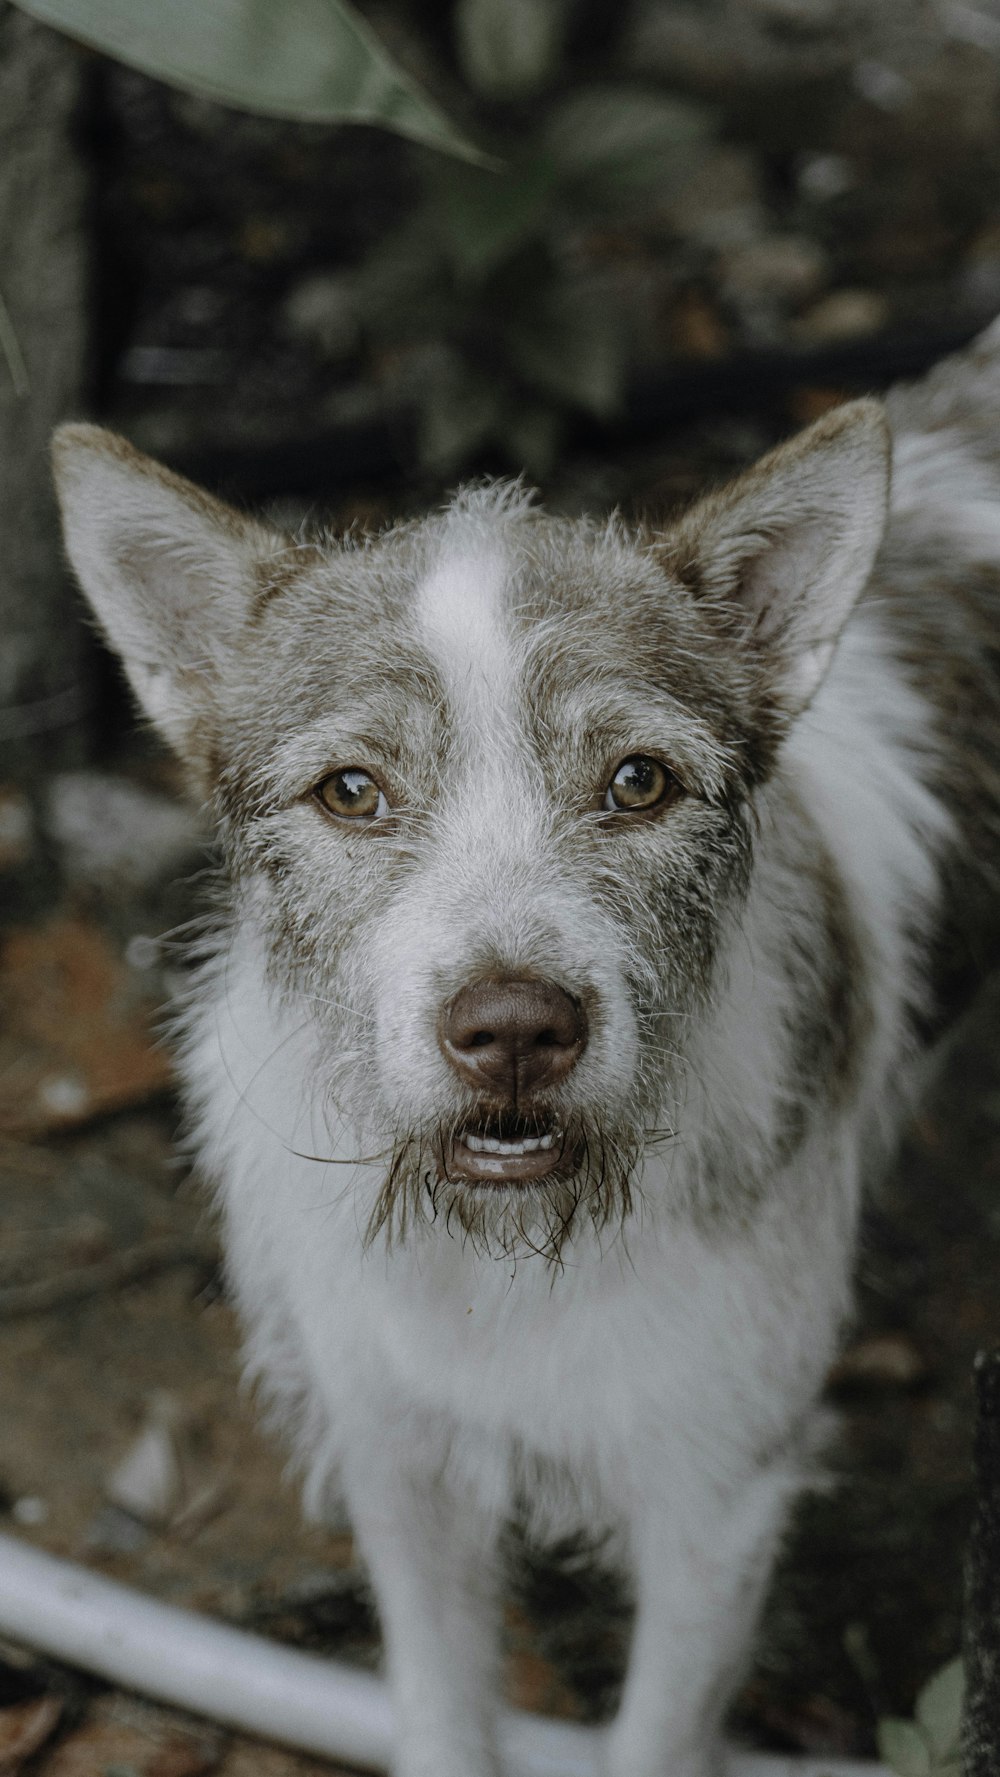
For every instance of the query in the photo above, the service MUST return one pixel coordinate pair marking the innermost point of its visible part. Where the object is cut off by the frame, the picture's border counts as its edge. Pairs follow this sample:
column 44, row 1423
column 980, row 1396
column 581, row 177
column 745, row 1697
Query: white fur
column 434, row 1361
column 460, row 610
column 947, row 493
column 660, row 1387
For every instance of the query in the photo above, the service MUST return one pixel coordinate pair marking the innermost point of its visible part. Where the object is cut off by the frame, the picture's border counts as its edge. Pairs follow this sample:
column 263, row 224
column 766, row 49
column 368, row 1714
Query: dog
column 596, row 893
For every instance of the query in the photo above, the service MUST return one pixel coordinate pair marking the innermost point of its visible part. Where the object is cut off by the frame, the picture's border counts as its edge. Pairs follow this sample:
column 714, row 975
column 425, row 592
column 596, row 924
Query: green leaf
column 624, row 141
column 313, row 60
column 904, row 1748
column 509, row 48
column 489, row 216
column 459, row 412
column 939, row 1709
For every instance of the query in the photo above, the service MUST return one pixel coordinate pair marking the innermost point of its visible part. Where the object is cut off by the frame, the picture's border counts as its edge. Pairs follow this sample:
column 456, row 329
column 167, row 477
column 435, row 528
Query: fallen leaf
column 887, row 1360
column 103, row 1744
column 76, row 1025
column 149, row 1481
column 24, row 1728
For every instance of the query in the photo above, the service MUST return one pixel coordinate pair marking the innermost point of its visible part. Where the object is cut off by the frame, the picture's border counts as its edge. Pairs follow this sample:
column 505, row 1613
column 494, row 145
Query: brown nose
column 518, row 1036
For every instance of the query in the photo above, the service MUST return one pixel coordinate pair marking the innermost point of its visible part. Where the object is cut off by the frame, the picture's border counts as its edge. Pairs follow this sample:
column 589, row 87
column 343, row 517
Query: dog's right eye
column 640, row 783
column 352, row 795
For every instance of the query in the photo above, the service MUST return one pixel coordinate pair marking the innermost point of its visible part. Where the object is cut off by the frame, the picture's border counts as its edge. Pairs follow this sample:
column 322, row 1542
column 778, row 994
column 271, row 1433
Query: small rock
column 825, row 176
column 63, row 1098
column 720, row 203
column 882, row 86
column 787, row 269
column 322, row 310
column 29, row 1511
column 844, row 314
column 142, row 952
column 885, row 1361
column 148, row 1484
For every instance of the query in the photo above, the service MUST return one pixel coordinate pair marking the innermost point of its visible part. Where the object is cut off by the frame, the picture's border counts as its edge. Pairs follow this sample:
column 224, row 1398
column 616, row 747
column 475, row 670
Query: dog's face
column 486, row 785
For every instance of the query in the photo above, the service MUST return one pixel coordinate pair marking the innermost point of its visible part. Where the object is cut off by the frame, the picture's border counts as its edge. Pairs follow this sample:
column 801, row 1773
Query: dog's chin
column 508, row 1185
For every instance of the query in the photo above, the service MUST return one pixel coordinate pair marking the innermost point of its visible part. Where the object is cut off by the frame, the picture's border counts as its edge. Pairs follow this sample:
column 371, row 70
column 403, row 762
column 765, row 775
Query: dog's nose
column 518, row 1035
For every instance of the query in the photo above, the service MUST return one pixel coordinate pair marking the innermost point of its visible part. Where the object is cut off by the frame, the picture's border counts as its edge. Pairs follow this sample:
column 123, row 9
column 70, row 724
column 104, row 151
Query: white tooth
column 492, row 1144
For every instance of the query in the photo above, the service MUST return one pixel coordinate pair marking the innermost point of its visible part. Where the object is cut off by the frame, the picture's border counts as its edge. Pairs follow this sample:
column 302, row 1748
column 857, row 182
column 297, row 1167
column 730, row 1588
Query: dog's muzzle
column 512, row 1039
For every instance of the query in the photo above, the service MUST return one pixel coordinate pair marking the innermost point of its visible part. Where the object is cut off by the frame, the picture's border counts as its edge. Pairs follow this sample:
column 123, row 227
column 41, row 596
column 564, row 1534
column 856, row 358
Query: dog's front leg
column 701, row 1565
column 431, row 1555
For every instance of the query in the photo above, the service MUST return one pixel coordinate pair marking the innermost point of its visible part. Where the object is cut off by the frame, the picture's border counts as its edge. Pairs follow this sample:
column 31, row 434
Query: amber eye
column 639, row 783
column 352, row 795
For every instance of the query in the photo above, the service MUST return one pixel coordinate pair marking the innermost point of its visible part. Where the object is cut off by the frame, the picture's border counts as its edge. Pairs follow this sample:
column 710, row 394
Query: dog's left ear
column 171, row 574
column 783, row 552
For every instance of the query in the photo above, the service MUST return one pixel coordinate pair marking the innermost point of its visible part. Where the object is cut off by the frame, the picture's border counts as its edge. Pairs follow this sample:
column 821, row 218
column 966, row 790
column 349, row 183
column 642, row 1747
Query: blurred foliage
column 928, row 1746
column 497, row 309
column 312, row 60
column 500, row 288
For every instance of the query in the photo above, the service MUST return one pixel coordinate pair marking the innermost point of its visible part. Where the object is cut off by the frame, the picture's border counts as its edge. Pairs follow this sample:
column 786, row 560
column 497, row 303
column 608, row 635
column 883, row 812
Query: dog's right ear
column 784, row 552
column 170, row 572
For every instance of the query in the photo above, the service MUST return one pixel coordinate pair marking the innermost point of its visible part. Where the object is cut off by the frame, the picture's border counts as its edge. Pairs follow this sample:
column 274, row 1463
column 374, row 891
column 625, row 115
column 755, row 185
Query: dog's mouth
column 505, row 1149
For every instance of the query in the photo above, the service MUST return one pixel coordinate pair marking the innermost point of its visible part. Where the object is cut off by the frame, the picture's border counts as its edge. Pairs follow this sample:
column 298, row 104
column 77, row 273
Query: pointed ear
column 785, row 551
column 170, row 572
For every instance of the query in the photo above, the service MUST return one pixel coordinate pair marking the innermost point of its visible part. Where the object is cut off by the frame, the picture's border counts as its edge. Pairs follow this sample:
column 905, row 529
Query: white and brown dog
column 593, row 893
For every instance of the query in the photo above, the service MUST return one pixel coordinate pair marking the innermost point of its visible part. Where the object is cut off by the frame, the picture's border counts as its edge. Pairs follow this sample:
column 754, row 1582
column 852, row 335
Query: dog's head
column 486, row 784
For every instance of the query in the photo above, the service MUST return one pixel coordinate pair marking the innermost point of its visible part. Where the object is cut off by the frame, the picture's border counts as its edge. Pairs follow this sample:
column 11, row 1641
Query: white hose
column 318, row 1706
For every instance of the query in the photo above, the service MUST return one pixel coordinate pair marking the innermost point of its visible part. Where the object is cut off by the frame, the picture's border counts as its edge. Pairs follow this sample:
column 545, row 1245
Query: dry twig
column 105, row 1275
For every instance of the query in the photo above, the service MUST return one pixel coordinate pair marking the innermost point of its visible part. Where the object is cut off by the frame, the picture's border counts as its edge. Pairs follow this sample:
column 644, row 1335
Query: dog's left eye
column 352, row 795
column 640, row 783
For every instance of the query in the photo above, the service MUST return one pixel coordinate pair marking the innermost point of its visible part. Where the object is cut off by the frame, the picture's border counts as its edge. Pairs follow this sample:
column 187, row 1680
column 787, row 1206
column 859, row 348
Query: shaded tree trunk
column 981, row 1726
column 43, row 646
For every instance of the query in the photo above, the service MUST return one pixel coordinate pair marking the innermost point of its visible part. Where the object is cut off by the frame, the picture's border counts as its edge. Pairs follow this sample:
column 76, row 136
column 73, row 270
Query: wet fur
column 635, row 1344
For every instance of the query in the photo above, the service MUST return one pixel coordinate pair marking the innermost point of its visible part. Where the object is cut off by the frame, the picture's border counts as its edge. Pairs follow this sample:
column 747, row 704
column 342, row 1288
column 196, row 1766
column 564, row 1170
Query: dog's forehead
column 468, row 597
column 492, row 623
column 463, row 617
column 493, row 601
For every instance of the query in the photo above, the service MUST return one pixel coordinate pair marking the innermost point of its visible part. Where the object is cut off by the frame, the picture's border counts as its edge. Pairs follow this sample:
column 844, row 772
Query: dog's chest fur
column 686, row 1300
